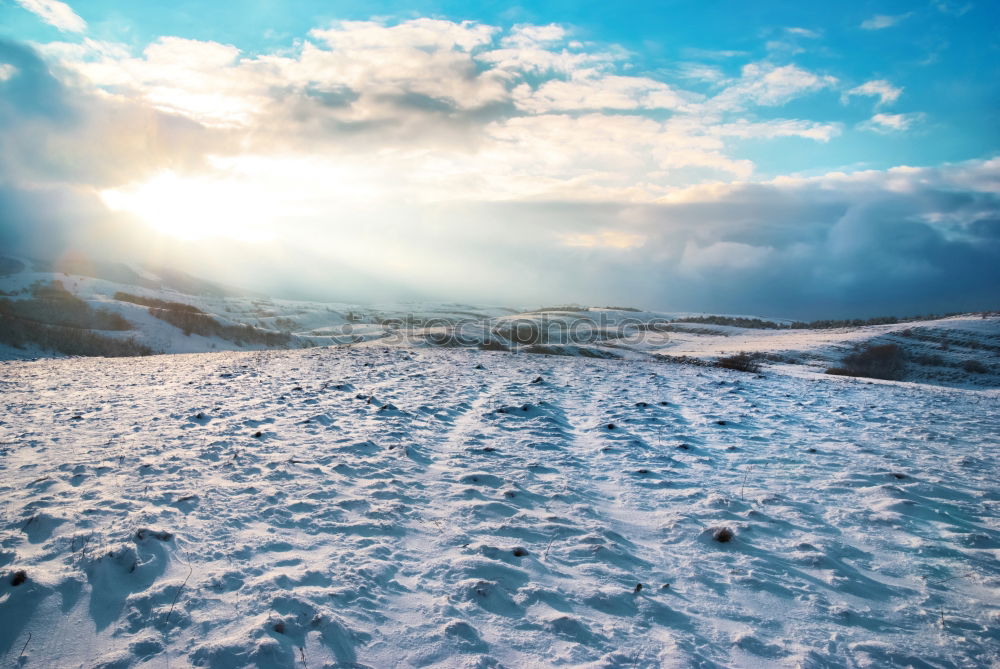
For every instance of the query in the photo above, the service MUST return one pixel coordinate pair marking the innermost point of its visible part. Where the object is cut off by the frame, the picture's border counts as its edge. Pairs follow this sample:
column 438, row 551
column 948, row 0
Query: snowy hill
column 151, row 313
column 224, row 319
column 380, row 507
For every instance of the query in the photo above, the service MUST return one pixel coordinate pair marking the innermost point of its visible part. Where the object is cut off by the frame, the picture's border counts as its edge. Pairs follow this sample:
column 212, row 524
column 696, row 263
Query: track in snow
column 375, row 518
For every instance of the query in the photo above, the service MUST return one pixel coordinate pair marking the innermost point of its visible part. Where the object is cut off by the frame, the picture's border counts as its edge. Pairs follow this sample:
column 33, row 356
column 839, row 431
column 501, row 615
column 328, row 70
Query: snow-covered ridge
column 961, row 350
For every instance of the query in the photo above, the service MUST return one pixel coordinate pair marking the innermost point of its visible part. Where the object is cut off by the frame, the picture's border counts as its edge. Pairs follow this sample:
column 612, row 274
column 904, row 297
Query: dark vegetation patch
column 572, row 308
column 682, row 360
column 285, row 324
column 50, row 303
column 929, row 359
column 665, row 326
column 202, row 324
column 974, row 367
column 582, row 351
column 824, row 324
column 154, row 302
column 69, row 341
column 722, row 535
column 54, row 319
column 731, row 321
column 875, row 361
column 860, row 322
column 946, row 340
column 741, row 362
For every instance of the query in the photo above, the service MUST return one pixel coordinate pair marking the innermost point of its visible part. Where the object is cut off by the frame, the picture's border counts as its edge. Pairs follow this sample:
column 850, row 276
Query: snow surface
column 388, row 507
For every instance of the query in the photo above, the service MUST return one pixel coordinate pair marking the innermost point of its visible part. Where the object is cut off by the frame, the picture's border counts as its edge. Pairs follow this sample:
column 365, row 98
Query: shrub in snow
column 21, row 333
column 974, row 367
column 741, row 362
column 722, row 535
column 876, row 361
column 191, row 322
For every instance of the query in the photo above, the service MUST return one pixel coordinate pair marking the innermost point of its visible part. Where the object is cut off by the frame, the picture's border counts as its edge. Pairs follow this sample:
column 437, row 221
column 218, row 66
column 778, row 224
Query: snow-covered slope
column 385, row 507
column 958, row 351
column 299, row 323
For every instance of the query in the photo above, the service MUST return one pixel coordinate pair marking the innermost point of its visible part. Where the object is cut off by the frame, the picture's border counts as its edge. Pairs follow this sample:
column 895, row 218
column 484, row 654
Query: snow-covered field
column 390, row 507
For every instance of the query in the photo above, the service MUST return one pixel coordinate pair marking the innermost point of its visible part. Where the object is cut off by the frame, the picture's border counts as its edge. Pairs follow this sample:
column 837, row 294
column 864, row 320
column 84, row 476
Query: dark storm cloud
column 53, row 131
column 30, row 90
column 809, row 249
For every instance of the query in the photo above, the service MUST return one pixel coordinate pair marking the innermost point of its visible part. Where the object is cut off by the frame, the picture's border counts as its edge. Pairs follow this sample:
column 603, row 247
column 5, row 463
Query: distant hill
column 82, row 307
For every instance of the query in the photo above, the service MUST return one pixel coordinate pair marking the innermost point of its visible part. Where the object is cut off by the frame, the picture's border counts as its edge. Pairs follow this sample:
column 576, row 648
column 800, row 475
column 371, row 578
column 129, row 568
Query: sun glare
column 195, row 208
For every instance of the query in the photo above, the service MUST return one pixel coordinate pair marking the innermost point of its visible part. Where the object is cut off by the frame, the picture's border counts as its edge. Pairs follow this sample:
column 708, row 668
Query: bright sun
column 194, row 208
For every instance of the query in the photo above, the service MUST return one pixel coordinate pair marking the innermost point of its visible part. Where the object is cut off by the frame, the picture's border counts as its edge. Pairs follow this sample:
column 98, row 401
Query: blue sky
column 690, row 155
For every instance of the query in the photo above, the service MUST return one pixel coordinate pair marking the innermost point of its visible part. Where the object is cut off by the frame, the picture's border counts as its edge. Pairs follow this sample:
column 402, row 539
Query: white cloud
column 590, row 158
column 953, row 8
column 891, row 123
column 438, row 111
column 600, row 92
column 7, row 71
column 609, row 151
column 770, row 85
column 701, row 72
column 882, row 21
column 880, row 88
column 369, row 63
column 415, row 34
column 820, row 132
column 713, row 54
column 55, row 13
column 803, row 32
column 188, row 54
column 522, row 36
